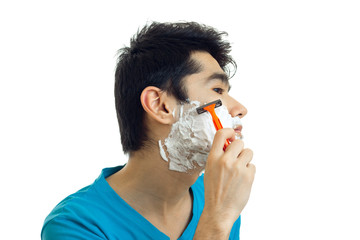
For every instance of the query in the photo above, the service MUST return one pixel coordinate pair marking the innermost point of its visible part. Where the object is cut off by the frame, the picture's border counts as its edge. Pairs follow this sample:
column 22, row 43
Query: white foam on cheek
column 162, row 151
column 190, row 138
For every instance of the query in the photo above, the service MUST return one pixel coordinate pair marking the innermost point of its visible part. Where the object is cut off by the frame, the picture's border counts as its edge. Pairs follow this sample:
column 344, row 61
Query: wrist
column 212, row 226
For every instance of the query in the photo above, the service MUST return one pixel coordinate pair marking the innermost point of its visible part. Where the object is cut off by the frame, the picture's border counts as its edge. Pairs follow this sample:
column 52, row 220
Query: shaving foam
column 190, row 139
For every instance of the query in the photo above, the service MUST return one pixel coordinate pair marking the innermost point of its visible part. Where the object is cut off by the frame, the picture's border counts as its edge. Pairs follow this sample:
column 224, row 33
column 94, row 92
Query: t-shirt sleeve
column 64, row 229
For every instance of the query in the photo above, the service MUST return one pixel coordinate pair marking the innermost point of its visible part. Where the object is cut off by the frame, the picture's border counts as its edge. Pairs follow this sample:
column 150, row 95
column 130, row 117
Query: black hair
column 160, row 55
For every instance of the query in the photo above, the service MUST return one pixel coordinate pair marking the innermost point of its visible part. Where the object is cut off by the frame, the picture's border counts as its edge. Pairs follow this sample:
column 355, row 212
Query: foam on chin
column 190, row 138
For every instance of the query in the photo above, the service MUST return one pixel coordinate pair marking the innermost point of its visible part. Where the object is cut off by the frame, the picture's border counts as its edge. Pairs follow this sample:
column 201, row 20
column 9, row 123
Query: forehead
column 206, row 61
column 209, row 70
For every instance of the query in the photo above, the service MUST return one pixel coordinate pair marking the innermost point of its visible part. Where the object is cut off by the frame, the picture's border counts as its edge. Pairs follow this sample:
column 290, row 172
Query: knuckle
column 220, row 133
column 251, row 167
column 238, row 142
column 223, row 133
column 226, row 163
column 248, row 151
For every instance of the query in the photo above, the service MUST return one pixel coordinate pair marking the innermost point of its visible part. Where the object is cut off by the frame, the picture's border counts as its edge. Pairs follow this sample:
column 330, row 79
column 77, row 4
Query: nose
column 235, row 108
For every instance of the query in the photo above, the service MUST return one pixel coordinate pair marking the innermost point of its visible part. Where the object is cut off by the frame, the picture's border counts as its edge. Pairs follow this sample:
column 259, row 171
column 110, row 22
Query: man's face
column 190, row 139
column 210, row 84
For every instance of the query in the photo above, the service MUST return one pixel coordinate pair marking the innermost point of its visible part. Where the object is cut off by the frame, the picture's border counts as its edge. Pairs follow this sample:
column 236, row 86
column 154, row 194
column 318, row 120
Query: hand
column 228, row 180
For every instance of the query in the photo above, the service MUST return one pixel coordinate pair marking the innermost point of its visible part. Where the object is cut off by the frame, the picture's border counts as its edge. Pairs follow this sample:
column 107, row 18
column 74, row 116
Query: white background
column 299, row 68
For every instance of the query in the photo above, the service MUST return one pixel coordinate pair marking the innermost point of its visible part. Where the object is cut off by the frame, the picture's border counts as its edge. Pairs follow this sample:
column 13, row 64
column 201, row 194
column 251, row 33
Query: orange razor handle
column 216, row 121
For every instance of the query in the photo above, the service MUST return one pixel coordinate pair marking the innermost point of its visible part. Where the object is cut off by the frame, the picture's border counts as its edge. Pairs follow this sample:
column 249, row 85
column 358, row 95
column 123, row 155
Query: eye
column 218, row 90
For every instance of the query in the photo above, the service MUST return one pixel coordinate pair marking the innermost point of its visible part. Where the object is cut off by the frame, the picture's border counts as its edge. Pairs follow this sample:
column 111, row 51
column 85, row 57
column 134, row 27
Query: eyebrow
column 220, row 76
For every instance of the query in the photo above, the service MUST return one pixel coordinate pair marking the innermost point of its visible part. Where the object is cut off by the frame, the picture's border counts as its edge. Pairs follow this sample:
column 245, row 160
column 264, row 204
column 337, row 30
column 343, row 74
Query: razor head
column 201, row 109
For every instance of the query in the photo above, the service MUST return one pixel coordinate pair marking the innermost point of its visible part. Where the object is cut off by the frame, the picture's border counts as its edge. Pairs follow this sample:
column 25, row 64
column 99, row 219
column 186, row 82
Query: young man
column 169, row 70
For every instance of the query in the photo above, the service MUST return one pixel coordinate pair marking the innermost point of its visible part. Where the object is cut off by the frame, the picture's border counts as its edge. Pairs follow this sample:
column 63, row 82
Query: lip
column 238, row 129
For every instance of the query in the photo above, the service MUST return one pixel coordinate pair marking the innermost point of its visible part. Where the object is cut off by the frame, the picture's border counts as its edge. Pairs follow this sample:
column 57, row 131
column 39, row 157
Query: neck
column 147, row 183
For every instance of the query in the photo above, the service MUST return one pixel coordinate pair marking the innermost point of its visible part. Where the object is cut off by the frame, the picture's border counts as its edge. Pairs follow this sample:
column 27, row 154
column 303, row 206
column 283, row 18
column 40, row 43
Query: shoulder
column 71, row 214
column 78, row 201
column 94, row 212
column 79, row 211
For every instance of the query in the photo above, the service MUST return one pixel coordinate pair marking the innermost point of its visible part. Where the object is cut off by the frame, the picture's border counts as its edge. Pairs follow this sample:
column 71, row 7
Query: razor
column 210, row 107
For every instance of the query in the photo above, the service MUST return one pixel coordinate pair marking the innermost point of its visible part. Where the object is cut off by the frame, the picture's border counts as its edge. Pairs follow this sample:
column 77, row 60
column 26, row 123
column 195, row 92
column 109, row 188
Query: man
column 169, row 70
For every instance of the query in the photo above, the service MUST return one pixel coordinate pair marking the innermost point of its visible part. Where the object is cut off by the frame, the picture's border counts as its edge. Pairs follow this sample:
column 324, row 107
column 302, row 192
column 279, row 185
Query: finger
column 252, row 167
column 234, row 149
column 219, row 140
column 246, row 156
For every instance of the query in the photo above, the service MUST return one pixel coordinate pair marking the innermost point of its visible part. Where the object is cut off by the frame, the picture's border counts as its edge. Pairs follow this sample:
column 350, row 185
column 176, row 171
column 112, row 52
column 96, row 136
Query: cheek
column 190, row 139
column 203, row 131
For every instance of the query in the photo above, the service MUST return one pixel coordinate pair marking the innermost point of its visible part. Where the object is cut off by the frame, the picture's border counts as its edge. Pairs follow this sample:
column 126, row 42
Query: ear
column 158, row 104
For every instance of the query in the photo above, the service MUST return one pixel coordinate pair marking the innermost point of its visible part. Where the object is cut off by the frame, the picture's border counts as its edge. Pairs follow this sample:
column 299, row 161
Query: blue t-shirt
column 98, row 212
